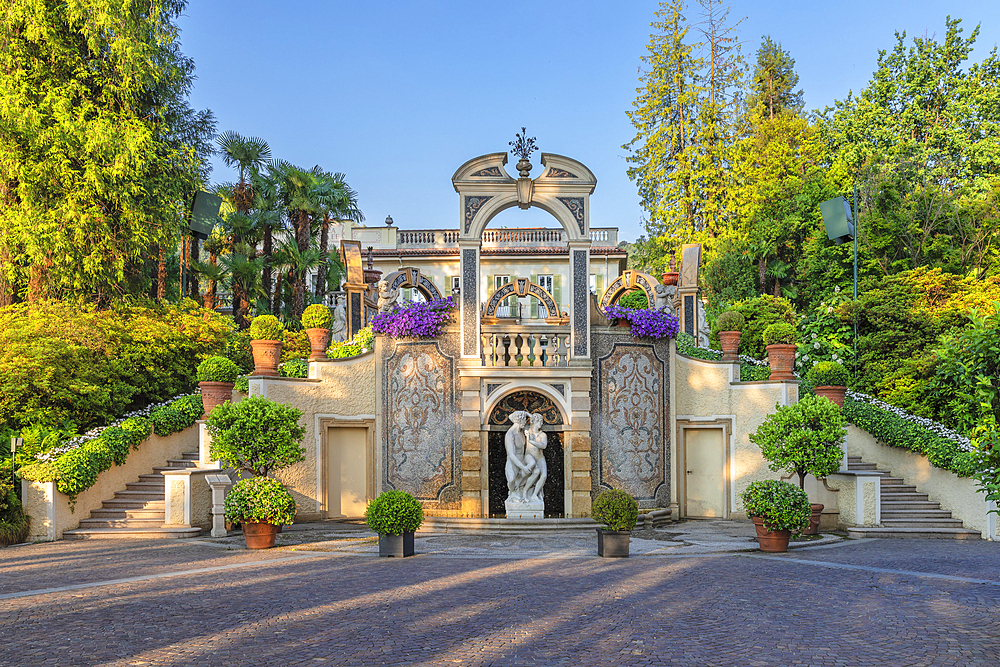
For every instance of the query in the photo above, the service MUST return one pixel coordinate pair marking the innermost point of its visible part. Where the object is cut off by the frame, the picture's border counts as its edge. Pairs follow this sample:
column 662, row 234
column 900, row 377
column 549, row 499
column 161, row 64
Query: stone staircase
column 138, row 511
column 907, row 513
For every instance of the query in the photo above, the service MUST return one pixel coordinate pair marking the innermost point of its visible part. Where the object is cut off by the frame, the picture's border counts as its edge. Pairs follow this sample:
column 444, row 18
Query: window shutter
column 534, row 302
column 407, row 294
column 490, row 287
column 447, row 286
column 557, row 293
column 600, row 285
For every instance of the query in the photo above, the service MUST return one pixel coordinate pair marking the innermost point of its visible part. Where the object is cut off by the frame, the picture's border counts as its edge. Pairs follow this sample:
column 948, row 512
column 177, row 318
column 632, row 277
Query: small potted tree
column 260, row 505
column 803, row 438
column 730, row 324
column 257, row 436
column 317, row 319
column 829, row 379
column 618, row 511
column 778, row 510
column 780, row 341
column 395, row 516
column 216, row 376
column 265, row 340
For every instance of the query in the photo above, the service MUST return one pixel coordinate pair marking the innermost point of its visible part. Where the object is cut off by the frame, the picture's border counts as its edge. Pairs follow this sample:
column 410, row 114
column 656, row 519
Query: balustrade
column 522, row 236
column 538, row 346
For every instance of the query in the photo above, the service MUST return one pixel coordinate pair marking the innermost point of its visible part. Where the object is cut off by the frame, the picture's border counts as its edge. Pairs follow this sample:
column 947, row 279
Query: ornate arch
column 411, row 277
column 523, row 287
column 530, row 399
column 626, row 282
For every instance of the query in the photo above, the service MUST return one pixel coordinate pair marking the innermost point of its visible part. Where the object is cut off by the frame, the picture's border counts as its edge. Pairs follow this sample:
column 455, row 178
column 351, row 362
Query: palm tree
column 337, row 201
column 294, row 265
column 298, row 192
column 211, row 271
column 243, row 273
column 248, row 155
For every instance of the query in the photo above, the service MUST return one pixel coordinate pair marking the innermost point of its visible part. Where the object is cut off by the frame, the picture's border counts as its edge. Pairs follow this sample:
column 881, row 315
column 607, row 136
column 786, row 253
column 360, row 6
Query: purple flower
column 647, row 322
column 422, row 320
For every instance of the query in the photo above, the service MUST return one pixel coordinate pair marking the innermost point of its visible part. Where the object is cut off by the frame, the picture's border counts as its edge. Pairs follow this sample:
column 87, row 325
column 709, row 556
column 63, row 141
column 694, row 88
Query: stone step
column 92, row 523
column 921, row 523
column 131, row 533
column 915, row 514
column 139, row 495
column 862, row 466
column 888, row 480
column 156, row 487
column 123, row 503
column 153, row 477
column 923, row 505
column 179, row 464
column 908, row 496
column 893, row 489
column 111, row 514
column 923, row 533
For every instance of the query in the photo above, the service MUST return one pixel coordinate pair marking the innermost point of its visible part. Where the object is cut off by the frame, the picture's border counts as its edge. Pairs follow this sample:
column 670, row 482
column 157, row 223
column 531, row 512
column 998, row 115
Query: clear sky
column 397, row 95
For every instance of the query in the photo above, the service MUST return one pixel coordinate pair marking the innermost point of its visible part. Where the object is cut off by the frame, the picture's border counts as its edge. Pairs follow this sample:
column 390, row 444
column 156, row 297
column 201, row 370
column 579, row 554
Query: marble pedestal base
column 534, row 509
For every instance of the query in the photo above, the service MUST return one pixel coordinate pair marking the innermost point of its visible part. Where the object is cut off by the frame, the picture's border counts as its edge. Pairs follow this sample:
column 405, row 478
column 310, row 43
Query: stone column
column 579, row 308
column 469, row 300
column 219, row 484
column 473, row 479
column 578, row 474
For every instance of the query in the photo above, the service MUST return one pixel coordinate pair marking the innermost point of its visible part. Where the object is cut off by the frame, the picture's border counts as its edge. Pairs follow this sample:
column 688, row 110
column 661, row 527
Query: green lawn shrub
column 779, row 333
column 364, row 341
column 803, row 438
column 177, row 415
column 256, row 435
column 782, row 506
column 61, row 362
column 636, row 299
column 217, row 369
column 317, row 316
column 394, row 513
column 616, row 509
column 828, row 374
column 14, row 521
column 761, row 312
column 295, row 346
column 261, row 500
column 266, row 327
column 296, row 368
column 731, row 320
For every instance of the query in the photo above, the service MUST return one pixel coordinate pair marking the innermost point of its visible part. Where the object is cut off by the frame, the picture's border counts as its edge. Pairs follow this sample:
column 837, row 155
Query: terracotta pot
column 814, row 517
column 213, row 394
column 613, row 543
column 730, row 345
column 835, row 394
column 782, row 360
column 623, row 323
column 318, row 340
column 670, row 278
column 259, row 535
column 266, row 355
column 771, row 541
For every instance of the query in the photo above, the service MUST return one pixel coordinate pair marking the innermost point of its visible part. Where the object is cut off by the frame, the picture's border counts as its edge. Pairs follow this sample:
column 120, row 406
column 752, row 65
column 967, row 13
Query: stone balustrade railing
column 525, row 345
column 430, row 238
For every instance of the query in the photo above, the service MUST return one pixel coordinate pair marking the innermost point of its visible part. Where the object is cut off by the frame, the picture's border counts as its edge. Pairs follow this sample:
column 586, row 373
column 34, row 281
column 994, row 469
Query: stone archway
column 563, row 190
column 626, row 282
column 411, row 277
column 523, row 287
column 499, row 421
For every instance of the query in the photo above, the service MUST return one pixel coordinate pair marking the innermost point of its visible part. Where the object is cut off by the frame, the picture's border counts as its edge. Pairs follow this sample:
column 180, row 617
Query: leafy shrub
column 422, row 319
column 688, row 346
column 890, row 428
column 364, row 340
column 177, row 415
column 266, row 327
column 261, row 500
column 242, row 385
column 256, row 435
column 752, row 373
column 780, row 505
column 14, row 521
column 616, row 509
column 317, row 316
column 648, row 323
column 394, row 513
column 761, row 312
column 296, row 345
column 779, row 333
column 731, row 320
column 60, row 362
column 803, row 438
column 826, row 333
column 828, row 374
column 238, row 350
column 217, row 369
column 636, row 300
column 296, row 368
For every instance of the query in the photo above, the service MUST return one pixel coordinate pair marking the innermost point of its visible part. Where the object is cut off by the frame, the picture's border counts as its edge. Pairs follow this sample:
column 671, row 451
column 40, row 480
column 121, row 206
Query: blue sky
column 397, row 95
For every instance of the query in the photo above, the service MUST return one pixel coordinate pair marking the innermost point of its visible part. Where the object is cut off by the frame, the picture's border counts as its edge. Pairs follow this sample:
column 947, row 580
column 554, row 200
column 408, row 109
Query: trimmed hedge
column 364, row 341
column 178, row 415
column 14, row 521
column 616, row 509
column 749, row 372
column 394, row 512
column 893, row 430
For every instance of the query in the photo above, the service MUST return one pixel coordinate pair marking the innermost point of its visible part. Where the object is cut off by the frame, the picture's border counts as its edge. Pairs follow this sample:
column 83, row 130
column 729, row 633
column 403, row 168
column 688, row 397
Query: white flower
column 836, row 289
column 805, row 357
column 814, row 336
column 834, row 357
column 829, row 309
column 816, row 345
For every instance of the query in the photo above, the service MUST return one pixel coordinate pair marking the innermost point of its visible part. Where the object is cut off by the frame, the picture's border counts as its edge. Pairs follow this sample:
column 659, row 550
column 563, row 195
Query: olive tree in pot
column 778, row 510
column 317, row 319
column 829, row 379
column 216, row 377
column 730, row 325
column 618, row 511
column 265, row 340
column 780, row 341
column 395, row 516
column 804, row 438
column 257, row 436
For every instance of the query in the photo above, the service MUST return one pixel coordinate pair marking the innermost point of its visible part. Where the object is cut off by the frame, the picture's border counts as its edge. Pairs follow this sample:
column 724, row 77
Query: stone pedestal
column 219, row 484
column 534, row 509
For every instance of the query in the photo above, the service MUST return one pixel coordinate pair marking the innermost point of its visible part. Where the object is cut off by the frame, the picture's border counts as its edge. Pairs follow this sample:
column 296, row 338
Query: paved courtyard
column 325, row 599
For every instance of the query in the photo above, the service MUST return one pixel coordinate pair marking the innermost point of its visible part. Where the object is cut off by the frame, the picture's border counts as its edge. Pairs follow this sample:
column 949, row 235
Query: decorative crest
column 524, row 145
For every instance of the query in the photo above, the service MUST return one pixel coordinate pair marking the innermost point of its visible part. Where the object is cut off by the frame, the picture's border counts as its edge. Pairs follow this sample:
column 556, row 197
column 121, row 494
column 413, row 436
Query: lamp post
column 15, row 444
column 841, row 223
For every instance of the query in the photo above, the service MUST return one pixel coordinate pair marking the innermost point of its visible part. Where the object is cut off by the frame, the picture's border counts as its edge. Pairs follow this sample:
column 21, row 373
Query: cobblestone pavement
column 203, row 603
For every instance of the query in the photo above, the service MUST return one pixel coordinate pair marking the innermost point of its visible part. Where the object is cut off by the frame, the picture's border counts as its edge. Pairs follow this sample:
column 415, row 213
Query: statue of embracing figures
column 526, row 469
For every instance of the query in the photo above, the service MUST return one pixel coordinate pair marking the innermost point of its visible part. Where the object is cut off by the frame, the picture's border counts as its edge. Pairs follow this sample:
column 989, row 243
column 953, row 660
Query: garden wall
column 50, row 510
column 957, row 494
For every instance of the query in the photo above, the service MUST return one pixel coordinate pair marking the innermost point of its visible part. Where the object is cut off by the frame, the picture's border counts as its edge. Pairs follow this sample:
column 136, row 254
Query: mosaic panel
column 581, row 303
column 421, row 439
column 489, row 172
column 576, row 207
column 529, row 401
column 472, row 206
column 470, row 310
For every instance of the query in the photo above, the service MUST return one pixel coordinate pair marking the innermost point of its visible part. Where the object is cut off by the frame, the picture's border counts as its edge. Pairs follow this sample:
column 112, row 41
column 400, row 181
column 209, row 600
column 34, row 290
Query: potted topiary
column 778, row 510
column 256, row 436
column 780, row 341
column 729, row 325
column 395, row 516
column 829, row 379
column 216, row 376
column 803, row 438
column 261, row 505
column 265, row 339
column 317, row 319
column 618, row 511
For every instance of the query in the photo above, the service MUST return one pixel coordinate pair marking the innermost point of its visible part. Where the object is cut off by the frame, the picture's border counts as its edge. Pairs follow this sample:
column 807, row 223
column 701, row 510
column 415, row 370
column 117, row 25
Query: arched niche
column 523, row 287
column 626, row 282
column 411, row 277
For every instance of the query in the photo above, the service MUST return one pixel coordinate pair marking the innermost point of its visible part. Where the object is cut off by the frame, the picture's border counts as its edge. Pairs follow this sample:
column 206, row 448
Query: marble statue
column 703, row 330
column 536, row 442
column 338, row 330
column 666, row 298
column 386, row 296
column 520, row 470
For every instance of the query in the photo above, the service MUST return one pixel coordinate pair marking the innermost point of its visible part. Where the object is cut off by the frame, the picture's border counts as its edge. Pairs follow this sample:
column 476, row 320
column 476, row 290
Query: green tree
column 803, row 438
column 773, row 82
column 100, row 151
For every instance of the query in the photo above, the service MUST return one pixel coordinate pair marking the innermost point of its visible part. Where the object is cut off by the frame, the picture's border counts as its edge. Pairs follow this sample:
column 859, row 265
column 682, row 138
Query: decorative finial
column 371, row 257
column 388, row 221
column 523, row 147
column 673, row 261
